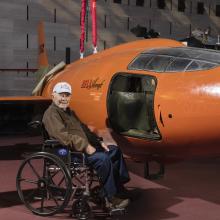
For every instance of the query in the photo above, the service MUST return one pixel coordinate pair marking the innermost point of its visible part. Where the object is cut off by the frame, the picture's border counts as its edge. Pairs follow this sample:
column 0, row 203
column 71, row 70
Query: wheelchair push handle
column 35, row 124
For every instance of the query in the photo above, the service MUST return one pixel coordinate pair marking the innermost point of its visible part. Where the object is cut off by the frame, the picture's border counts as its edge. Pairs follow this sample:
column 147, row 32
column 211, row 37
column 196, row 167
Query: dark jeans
column 111, row 169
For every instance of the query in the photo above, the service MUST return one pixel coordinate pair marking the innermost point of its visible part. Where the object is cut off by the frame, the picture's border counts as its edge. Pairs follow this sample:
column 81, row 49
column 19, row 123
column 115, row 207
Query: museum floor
column 189, row 191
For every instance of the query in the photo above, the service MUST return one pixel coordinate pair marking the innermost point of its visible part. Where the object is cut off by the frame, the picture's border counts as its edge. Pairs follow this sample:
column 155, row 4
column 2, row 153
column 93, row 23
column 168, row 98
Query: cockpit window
column 199, row 65
column 159, row 63
column 142, row 61
column 178, row 59
column 178, row 65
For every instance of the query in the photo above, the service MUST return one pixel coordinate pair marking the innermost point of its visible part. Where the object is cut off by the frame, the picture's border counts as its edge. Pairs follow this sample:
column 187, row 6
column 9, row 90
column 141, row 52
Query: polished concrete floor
column 190, row 190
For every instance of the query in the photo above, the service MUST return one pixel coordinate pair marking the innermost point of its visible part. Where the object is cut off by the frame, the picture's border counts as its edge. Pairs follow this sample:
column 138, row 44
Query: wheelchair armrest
column 52, row 142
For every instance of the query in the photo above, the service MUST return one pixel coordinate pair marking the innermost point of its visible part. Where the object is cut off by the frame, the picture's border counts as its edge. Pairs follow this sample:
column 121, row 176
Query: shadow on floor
column 144, row 205
column 17, row 152
column 197, row 178
column 9, row 199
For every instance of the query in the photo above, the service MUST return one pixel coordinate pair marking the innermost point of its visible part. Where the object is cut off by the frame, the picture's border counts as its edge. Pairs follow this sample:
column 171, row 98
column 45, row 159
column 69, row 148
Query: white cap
column 62, row 87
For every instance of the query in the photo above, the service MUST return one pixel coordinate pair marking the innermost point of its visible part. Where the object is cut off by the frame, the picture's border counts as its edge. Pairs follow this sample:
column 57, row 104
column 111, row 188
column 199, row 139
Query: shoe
column 117, row 203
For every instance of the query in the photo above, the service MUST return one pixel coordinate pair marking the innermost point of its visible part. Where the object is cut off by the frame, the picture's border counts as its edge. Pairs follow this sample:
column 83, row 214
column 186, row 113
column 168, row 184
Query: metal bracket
column 153, row 176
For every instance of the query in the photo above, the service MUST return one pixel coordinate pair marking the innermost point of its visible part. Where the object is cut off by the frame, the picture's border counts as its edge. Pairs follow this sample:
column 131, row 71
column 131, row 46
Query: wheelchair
column 48, row 180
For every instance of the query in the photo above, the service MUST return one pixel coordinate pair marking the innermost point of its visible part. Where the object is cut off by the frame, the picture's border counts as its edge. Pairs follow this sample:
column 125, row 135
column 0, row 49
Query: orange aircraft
column 156, row 98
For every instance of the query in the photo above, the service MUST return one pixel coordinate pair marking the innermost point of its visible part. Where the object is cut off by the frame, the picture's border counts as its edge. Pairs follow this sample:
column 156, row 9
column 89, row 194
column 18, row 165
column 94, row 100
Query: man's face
column 62, row 100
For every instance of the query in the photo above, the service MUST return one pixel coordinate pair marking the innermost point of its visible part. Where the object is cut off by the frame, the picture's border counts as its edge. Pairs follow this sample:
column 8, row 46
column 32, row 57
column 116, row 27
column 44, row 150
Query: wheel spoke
column 42, row 202
column 55, row 173
column 51, row 177
column 31, row 194
column 28, row 181
column 52, row 196
column 34, row 170
column 61, row 181
column 44, row 168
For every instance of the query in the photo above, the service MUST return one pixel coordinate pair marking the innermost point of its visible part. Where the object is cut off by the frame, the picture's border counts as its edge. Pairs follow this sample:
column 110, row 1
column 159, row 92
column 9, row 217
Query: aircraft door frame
column 130, row 105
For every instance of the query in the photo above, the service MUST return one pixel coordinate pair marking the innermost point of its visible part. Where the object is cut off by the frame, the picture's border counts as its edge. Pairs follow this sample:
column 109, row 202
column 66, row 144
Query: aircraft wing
column 17, row 112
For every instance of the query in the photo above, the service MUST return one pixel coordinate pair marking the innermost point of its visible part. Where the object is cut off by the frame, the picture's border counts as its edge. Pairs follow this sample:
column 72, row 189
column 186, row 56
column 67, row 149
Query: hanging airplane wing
column 16, row 113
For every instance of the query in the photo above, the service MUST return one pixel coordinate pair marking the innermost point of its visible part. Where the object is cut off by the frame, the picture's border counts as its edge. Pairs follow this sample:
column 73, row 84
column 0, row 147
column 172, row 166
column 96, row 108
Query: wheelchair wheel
column 44, row 184
column 81, row 209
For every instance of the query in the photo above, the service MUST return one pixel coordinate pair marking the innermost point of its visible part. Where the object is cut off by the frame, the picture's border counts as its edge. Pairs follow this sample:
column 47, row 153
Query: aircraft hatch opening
column 131, row 106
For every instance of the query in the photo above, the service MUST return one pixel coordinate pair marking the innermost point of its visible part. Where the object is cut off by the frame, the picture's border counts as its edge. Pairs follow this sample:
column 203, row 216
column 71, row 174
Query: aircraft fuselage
column 146, row 112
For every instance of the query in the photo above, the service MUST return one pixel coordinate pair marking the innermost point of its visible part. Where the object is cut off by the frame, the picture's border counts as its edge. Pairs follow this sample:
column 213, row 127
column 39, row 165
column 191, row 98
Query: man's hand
column 104, row 146
column 90, row 149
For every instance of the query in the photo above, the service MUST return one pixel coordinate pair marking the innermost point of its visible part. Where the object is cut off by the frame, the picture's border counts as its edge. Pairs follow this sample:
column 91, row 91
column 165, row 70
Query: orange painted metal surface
column 22, row 98
column 186, row 102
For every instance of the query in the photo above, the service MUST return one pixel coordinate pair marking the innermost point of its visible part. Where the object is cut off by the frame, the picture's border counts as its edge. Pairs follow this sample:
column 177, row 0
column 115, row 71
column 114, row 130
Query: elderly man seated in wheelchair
column 63, row 124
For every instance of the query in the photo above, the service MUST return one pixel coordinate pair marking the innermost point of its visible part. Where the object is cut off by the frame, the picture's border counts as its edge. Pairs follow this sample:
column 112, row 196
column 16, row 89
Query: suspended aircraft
column 156, row 98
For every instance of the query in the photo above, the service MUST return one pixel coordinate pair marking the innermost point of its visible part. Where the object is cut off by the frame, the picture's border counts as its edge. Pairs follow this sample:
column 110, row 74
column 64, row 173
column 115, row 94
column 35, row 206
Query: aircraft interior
column 131, row 106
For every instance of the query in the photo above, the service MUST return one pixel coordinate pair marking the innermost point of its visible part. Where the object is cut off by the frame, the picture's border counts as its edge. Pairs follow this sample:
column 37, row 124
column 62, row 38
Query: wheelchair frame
column 47, row 181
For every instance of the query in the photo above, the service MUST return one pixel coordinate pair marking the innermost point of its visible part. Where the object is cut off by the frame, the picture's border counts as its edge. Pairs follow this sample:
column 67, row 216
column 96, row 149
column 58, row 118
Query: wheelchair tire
column 44, row 184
